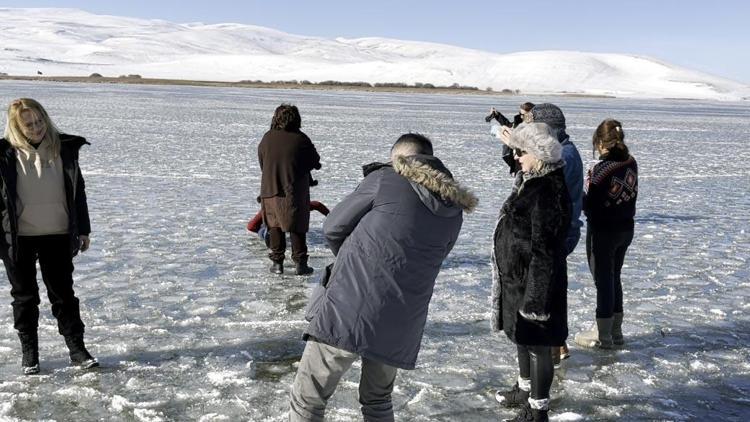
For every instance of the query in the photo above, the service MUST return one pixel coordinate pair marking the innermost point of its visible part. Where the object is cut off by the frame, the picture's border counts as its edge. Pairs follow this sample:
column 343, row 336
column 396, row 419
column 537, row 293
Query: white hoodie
column 41, row 204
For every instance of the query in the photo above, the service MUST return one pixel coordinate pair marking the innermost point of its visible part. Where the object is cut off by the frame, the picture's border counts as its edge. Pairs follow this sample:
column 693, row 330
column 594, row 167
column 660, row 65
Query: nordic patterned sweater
column 610, row 192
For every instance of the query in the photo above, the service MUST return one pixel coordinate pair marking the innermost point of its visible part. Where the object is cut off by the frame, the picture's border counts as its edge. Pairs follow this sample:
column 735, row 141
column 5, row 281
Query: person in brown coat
column 286, row 156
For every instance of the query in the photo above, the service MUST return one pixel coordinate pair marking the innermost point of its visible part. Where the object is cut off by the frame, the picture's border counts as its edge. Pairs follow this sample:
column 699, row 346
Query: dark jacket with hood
column 286, row 159
column 390, row 237
column 75, row 195
column 530, row 274
column 573, row 171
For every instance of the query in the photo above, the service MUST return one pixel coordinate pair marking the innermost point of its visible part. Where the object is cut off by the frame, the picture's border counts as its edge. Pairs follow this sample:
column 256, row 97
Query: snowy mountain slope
column 75, row 43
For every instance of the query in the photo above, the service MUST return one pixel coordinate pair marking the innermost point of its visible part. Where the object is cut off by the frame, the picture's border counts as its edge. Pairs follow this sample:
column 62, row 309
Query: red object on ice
column 319, row 207
column 254, row 224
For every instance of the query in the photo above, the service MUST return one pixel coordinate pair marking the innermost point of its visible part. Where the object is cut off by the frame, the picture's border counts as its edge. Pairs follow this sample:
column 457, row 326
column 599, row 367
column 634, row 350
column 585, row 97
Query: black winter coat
column 529, row 262
column 286, row 159
column 75, row 195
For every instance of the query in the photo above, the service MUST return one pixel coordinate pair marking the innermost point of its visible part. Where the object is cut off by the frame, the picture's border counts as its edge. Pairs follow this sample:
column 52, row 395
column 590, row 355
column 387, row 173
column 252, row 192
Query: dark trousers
column 606, row 253
column 56, row 263
column 535, row 363
column 278, row 245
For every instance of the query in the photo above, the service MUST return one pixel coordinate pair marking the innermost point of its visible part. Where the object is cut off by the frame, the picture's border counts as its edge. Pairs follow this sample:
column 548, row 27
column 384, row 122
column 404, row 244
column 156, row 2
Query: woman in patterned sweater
column 610, row 193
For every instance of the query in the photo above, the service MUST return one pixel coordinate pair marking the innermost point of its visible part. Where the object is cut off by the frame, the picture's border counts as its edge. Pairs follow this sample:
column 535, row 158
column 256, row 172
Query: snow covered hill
column 70, row 42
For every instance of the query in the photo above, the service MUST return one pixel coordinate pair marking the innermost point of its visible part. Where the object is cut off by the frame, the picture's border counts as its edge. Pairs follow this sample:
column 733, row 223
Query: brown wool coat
column 286, row 159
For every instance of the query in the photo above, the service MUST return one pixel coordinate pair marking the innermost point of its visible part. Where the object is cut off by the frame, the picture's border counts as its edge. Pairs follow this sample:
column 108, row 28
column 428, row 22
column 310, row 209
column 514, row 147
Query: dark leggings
column 535, row 363
column 606, row 254
column 55, row 260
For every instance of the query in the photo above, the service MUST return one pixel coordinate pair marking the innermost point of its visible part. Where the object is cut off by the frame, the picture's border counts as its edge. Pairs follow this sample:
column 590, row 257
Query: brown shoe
column 564, row 352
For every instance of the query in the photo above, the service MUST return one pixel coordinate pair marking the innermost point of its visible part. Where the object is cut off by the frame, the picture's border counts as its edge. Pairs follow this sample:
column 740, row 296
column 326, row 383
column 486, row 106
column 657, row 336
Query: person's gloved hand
column 493, row 114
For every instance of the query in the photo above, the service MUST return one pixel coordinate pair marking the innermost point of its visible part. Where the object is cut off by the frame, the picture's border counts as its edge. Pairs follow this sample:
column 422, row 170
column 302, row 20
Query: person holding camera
column 522, row 116
column 286, row 156
column 529, row 288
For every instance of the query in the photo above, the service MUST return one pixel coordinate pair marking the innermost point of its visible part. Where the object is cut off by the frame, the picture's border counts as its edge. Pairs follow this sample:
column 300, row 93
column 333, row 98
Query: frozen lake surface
column 188, row 324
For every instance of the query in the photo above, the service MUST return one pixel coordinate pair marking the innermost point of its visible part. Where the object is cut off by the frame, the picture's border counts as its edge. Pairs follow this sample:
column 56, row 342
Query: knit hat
column 550, row 114
column 536, row 139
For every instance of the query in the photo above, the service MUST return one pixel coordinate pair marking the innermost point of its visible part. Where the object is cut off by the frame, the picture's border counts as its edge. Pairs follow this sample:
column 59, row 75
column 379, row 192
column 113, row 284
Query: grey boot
column 598, row 337
column 277, row 267
column 30, row 352
column 79, row 356
column 617, row 338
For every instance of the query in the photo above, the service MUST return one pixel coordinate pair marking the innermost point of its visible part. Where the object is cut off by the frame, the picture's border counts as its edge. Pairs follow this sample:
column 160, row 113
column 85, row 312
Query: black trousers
column 535, row 363
column 606, row 253
column 56, row 263
column 278, row 245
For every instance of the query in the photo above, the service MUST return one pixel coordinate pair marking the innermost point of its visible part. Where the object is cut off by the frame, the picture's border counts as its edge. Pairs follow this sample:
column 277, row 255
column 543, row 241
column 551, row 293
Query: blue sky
column 710, row 36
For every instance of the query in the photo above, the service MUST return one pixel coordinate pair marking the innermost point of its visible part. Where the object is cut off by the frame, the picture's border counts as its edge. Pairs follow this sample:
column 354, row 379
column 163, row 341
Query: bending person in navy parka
column 390, row 237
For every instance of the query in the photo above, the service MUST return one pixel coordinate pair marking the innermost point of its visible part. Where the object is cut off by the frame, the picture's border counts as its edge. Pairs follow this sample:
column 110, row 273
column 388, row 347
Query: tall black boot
column 514, row 397
column 78, row 354
column 528, row 414
column 302, row 268
column 30, row 352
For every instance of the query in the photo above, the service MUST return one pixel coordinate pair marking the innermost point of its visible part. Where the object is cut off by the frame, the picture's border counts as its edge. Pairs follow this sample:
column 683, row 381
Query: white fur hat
column 536, row 139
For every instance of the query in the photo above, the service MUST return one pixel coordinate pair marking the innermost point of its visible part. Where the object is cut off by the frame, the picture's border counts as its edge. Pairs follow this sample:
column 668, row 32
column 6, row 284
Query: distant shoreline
column 339, row 86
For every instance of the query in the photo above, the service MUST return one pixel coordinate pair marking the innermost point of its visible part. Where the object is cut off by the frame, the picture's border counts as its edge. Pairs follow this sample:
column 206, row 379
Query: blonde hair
column 14, row 126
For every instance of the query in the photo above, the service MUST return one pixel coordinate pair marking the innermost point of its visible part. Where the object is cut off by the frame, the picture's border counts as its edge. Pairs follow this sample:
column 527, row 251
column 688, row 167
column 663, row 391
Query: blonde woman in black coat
column 529, row 278
column 44, row 217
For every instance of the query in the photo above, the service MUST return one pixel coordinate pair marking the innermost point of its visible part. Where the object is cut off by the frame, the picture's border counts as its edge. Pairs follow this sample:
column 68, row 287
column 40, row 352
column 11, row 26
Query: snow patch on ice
column 718, row 312
column 148, row 415
column 223, row 378
column 78, row 393
column 703, row 366
column 214, row 417
column 7, row 401
column 566, row 417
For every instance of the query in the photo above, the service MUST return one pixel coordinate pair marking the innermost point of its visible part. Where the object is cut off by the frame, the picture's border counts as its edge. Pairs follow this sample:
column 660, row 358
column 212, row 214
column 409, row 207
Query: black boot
column 30, row 351
column 277, row 267
column 512, row 398
column 78, row 354
column 302, row 268
column 527, row 414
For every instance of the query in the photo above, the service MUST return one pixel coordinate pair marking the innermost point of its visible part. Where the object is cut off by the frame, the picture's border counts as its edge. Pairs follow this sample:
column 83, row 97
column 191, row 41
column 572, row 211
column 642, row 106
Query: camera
column 497, row 123
column 496, row 115
column 504, row 121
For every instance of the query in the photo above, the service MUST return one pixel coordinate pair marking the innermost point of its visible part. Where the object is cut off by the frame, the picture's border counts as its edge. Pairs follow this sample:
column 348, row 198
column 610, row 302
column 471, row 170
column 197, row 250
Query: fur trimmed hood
column 429, row 173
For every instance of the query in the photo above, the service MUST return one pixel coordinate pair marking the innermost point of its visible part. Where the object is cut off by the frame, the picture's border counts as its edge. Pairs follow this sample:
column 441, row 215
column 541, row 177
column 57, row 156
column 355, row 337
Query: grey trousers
column 319, row 372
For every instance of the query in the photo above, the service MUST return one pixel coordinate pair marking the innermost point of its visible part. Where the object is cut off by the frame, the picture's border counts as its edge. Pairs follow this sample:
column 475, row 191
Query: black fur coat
column 530, row 274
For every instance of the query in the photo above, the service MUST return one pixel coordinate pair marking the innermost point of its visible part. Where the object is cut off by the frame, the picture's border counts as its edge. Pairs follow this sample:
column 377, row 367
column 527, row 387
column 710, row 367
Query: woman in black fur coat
column 529, row 280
